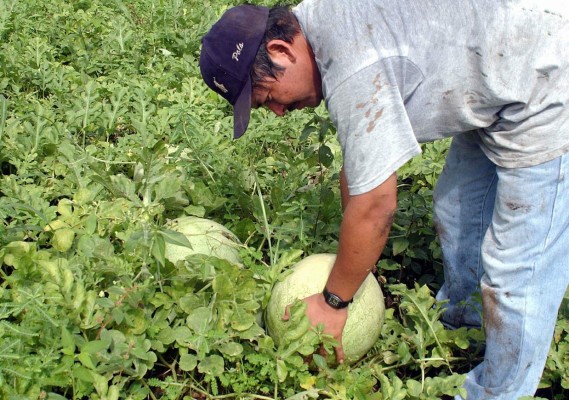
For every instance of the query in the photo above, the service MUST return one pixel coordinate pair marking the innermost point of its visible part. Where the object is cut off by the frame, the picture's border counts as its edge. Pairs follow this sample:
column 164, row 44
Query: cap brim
column 242, row 110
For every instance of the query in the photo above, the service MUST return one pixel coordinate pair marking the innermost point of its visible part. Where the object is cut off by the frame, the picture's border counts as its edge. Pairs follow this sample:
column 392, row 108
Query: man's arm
column 363, row 234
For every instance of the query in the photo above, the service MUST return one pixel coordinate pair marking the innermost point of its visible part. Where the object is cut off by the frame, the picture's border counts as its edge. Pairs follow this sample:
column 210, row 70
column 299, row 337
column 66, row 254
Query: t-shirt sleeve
column 373, row 128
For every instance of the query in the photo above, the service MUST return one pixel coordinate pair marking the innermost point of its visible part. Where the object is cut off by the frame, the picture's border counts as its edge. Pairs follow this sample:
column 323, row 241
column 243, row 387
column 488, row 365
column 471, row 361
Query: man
column 394, row 73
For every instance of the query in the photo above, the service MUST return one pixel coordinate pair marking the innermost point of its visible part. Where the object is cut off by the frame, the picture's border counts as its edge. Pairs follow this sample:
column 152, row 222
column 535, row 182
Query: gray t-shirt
column 396, row 73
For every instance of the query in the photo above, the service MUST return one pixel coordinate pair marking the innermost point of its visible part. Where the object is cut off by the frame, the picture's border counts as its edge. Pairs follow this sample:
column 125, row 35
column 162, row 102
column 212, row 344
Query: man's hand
column 318, row 312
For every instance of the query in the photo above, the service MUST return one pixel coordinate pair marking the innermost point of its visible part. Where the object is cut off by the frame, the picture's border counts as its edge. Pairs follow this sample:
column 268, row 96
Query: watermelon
column 365, row 314
column 206, row 237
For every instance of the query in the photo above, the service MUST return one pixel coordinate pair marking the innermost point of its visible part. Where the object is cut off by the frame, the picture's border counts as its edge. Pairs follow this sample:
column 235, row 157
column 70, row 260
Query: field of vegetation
column 106, row 133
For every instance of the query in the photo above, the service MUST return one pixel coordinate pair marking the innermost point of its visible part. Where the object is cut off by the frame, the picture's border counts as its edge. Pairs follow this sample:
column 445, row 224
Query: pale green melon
column 365, row 314
column 206, row 237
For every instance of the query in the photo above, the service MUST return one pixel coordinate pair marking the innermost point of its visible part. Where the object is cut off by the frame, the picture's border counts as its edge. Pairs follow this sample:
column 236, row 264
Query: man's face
column 297, row 86
column 287, row 93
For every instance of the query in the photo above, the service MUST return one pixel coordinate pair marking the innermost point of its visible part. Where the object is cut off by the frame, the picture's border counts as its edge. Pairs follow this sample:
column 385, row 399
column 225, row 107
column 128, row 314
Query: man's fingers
column 286, row 315
column 339, row 352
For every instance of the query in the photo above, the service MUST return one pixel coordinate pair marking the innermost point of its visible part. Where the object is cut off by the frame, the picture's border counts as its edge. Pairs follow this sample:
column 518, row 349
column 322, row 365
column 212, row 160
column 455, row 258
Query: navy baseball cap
column 228, row 52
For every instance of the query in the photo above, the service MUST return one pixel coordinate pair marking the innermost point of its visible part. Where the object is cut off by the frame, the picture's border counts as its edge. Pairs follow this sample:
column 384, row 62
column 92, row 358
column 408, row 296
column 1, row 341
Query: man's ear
column 281, row 52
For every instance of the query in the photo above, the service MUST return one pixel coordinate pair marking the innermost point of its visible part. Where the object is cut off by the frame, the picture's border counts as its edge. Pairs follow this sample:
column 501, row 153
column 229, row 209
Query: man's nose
column 277, row 108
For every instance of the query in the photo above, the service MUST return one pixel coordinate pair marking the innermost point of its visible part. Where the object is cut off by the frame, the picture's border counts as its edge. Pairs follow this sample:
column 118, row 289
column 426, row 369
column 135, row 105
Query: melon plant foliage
column 107, row 134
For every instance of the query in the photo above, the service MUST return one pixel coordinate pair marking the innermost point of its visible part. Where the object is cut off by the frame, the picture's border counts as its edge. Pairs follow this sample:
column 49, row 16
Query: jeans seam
column 481, row 224
column 553, row 207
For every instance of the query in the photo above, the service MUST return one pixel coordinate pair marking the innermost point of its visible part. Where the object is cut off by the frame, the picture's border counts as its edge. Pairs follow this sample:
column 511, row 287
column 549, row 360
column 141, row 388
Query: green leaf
column 242, row 320
column 286, row 259
column 400, row 245
column 91, row 224
column 113, row 393
column 307, row 131
column 142, row 354
column 101, row 384
column 325, row 155
column 82, row 373
column 68, row 344
column 83, row 196
column 255, row 331
column 212, row 365
column 461, row 341
column 414, row 387
column 95, row 346
column 196, row 210
column 298, row 323
column 388, row 265
column 87, row 361
column 62, row 239
column 392, row 387
column 159, row 249
column 65, row 207
column 231, row 349
column 190, row 302
column 282, row 370
column 188, row 362
column 181, row 333
column 176, row 238
column 199, row 320
column 167, row 335
column 223, row 285
column 167, row 187
column 320, row 361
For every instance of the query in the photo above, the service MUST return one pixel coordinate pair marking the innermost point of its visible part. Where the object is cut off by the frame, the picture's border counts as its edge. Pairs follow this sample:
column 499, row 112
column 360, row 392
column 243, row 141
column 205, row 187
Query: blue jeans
column 505, row 239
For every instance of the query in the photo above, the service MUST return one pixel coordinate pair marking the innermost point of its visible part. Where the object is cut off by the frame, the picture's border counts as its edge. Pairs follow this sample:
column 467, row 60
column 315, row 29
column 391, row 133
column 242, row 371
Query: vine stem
column 171, row 367
column 223, row 396
column 265, row 219
column 232, row 396
column 418, row 361
column 203, row 392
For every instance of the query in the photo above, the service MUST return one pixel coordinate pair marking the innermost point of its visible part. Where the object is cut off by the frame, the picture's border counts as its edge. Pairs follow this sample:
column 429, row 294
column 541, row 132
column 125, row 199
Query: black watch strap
column 334, row 300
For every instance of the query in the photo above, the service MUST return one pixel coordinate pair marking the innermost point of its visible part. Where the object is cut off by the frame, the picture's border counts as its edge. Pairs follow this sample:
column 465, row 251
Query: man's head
column 228, row 52
column 254, row 56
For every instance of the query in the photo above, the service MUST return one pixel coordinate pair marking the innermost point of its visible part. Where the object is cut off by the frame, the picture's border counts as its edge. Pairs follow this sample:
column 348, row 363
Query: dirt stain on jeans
column 515, row 206
column 492, row 317
column 505, row 346
column 440, row 229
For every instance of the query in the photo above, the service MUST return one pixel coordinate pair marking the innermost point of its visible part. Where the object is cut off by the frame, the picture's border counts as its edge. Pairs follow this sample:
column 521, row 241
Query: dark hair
column 282, row 24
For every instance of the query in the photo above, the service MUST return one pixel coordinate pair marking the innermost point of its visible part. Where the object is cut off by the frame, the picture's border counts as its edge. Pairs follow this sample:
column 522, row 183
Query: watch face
column 333, row 301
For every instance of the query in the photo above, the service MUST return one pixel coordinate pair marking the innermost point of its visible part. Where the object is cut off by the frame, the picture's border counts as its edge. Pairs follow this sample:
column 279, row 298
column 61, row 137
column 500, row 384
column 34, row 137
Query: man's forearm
column 363, row 234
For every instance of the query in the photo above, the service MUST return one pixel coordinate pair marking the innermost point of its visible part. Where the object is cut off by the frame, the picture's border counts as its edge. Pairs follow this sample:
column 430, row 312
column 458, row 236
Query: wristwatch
column 334, row 300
